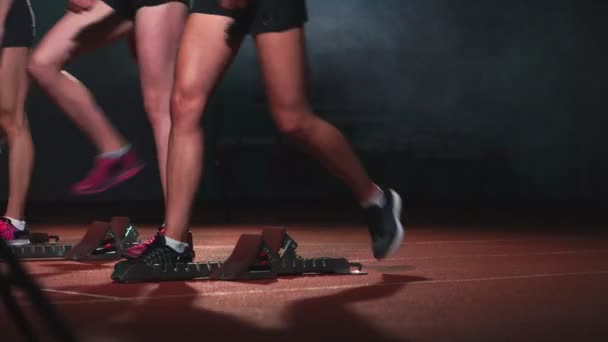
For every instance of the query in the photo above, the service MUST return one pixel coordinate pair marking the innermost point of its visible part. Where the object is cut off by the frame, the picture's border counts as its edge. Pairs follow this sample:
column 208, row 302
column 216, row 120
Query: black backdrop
column 446, row 100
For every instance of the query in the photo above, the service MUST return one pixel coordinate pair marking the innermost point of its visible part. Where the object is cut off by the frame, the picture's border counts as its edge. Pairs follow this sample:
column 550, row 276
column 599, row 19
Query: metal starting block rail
column 43, row 246
column 255, row 256
column 41, row 251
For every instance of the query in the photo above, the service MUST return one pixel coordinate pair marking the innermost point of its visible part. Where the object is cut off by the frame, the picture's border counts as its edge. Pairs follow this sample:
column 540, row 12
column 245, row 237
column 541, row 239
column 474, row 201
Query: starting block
column 105, row 240
column 255, row 256
column 102, row 241
column 247, row 261
column 286, row 261
column 43, row 246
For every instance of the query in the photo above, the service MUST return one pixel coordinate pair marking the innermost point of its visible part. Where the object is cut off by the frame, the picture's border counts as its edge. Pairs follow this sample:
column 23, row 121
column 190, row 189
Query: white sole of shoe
column 18, row 242
column 397, row 205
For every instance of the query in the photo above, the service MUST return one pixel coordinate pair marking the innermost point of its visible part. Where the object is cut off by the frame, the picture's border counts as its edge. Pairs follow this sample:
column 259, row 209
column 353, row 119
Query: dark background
column 470, row 101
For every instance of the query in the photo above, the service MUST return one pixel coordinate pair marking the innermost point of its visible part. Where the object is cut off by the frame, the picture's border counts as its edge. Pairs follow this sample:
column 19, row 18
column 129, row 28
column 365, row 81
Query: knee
column 10, row 123
column 293, row 121
column 7, row 111
column 42, row 69
column 156, row 105
column 186, row 109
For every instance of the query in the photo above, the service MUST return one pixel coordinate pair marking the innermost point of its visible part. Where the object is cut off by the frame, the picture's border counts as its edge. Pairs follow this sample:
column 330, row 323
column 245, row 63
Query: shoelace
column 152, row 238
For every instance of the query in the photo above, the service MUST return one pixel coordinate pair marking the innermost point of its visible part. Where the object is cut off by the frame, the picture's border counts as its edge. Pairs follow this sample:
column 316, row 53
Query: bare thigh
column 203, row 57
column 158, row 31
column 282, row 59
column 77, row 33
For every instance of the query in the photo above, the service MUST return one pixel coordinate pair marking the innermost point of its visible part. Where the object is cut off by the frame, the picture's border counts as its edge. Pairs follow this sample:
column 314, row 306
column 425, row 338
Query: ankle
column 176, row 245
column 374, row 197
column 116, row 153
column 17, row 223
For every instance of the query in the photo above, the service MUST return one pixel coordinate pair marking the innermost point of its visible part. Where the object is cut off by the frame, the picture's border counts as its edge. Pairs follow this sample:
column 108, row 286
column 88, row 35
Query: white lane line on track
column 83, row 294
column 108, row 299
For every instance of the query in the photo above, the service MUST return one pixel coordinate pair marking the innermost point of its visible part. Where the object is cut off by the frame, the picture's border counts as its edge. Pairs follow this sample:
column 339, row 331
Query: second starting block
column 255, row 256
column 43, row 246
column 102, row 241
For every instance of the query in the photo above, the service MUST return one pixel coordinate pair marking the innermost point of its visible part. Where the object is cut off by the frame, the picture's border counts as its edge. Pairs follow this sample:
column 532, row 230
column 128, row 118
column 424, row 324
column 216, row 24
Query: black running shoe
column 385, row 225
column 159, row 253
column 136, row 251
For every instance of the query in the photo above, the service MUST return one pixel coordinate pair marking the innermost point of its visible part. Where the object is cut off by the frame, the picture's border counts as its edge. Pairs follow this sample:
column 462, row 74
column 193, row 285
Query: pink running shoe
column 137, row 250
column 109, row 172
column 11, row 235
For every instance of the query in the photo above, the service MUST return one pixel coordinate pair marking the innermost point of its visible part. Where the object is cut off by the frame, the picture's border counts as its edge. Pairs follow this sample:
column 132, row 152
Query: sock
column 377, row 199
column 116, row 154
column 177, row 246
column 16, row 223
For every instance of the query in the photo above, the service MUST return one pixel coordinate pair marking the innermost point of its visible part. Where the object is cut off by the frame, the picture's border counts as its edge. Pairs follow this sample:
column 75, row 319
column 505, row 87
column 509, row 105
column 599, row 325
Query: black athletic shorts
column 128, row 8
column 261, row 16
column 19, row 29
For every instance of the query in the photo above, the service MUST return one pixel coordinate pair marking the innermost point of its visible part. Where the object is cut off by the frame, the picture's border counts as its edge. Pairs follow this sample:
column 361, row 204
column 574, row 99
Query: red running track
column 445, row 284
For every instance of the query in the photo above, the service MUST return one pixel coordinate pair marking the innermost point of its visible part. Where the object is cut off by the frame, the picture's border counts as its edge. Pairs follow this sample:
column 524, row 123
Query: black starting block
column 105, row 240
column 286, row 261
column 102, row 241
column 43, row 246
column 260, row 256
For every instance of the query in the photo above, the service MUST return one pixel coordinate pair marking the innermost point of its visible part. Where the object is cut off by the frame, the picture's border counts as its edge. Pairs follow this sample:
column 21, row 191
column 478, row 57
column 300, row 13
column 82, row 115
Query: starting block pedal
column 286, row 261
column 123, row 228
column 250, row 259
column 105, row 240
column 43, row 246
column 255, row 256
